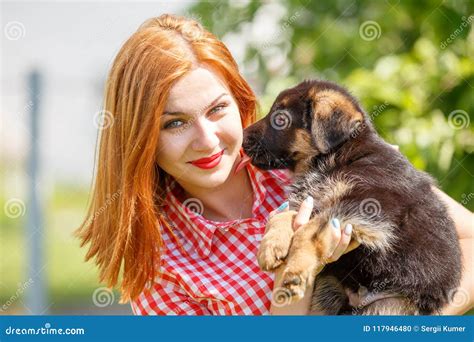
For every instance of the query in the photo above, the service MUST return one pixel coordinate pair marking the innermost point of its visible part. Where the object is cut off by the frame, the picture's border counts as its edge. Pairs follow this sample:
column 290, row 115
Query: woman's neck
column 231, row 201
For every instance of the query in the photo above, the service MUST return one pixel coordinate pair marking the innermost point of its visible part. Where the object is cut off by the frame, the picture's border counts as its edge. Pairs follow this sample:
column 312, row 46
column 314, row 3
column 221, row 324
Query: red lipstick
column 208, row 162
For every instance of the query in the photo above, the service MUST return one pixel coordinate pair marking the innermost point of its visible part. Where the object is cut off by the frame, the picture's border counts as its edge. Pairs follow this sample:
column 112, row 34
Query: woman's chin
column 216, row 177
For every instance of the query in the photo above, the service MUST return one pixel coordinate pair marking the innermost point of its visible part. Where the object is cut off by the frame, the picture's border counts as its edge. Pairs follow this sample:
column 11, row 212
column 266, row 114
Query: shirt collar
column 187, row 219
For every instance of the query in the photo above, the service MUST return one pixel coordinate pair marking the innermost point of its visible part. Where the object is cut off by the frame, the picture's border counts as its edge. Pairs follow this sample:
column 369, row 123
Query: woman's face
column 201, row 120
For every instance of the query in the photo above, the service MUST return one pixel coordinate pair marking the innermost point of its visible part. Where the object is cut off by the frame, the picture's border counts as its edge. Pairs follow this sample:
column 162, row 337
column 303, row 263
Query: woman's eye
column 180, row 123
column 218, row 108
column 173, row 124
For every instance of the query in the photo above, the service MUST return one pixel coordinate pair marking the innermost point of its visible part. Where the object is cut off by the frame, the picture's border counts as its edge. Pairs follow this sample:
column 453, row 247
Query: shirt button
column 226, row 229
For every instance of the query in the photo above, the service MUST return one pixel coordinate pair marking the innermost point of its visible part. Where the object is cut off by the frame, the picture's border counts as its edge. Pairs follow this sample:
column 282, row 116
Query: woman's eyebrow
column 204, row 109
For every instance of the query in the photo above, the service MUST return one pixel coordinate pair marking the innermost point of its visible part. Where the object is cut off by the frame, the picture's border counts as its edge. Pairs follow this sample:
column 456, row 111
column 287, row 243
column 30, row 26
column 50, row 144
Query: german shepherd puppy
column 409, row 248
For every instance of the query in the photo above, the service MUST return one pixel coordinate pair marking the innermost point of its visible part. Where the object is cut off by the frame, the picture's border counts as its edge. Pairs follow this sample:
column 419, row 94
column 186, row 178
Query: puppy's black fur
column 320, row 132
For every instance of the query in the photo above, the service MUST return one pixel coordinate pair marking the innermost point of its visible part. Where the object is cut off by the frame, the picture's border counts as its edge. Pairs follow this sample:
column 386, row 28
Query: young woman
column 175, row 204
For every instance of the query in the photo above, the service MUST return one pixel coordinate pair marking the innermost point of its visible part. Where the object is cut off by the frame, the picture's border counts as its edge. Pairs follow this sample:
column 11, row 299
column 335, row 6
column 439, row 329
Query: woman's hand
column 343, row 245
column 463, row 300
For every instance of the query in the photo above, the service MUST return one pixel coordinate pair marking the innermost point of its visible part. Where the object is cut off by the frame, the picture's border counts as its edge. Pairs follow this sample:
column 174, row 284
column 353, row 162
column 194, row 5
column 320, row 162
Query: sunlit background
column 411, row 63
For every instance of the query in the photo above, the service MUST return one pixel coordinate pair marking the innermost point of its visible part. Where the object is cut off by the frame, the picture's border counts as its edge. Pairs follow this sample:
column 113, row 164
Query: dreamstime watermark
column 14, row 30
column 179, row 130
column 370, row 208
column 103, row 297
column 194, row 205
column 459, row 297
column 458, row 119
column 464, row 24
column 103, row 208
column 46, row 330
column 465, row 199
column 103, row 119
column 192, row 33
column 369, row 297
column 21, row 288
column 286, row 24
column 14, row 208
column 193, row 29
column 280, row 119
column 376, row 111
column 281, row 296
column 27, row 107
column 370, row 30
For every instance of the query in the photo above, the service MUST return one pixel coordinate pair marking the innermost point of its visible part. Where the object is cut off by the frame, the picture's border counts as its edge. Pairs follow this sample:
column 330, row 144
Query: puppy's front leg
column 311, row 247
column 276, row 241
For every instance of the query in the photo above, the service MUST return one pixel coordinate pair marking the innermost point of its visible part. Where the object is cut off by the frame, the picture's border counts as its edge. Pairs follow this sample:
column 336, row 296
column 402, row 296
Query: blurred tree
column 410, row 63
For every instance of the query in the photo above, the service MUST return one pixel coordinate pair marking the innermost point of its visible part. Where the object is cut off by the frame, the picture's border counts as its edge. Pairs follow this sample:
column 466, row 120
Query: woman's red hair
column 123, row 223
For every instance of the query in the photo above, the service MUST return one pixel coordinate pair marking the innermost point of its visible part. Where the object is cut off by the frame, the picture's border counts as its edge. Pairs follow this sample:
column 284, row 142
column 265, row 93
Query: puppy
column 409, row 249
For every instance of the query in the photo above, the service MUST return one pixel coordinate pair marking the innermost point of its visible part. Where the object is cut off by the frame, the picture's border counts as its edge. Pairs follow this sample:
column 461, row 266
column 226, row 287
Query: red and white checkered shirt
column 215, row 272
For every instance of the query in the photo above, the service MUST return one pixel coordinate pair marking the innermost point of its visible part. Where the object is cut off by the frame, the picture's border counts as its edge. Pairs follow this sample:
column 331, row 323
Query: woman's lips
column 208, row 162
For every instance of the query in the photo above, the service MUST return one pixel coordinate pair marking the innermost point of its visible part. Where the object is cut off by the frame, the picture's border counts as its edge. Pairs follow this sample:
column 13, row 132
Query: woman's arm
column 461, row 216
column 463, row 301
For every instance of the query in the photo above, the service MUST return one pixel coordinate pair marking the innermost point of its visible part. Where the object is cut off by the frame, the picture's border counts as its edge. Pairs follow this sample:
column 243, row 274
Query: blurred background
column 410, row 63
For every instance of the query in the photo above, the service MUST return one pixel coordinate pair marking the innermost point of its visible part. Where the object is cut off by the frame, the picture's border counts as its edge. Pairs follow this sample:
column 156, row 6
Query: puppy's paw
column 276, row 242
column 301, row 266
column 293, row 287
column 296, row 284
column 273, row 251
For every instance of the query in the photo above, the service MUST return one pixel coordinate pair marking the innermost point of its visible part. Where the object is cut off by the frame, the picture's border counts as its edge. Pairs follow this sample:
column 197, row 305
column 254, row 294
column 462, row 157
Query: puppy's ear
column 332, row 124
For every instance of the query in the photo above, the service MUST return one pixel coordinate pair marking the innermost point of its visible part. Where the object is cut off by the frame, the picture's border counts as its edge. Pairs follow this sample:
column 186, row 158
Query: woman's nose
column 206, row 138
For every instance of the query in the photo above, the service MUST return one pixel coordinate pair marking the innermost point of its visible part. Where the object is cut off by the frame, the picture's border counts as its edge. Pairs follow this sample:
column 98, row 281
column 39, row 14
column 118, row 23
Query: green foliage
column 411, row 63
